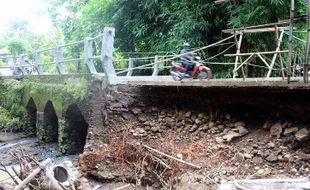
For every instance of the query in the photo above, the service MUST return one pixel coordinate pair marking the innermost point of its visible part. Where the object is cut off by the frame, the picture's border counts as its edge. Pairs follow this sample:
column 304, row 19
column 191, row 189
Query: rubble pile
column 224, row 146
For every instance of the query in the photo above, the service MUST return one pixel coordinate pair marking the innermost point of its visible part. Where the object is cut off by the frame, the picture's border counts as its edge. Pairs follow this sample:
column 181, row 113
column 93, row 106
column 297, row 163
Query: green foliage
column 153, row 25
column 17, row 46
column 11, row 110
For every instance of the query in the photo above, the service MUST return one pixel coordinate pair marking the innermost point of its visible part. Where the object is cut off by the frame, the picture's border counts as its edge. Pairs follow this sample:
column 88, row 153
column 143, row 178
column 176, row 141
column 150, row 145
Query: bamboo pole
column 178, row 56
column 239, row 42
column 255, row 30
column 262, row 53
column 263, row 60
column 289, row 73
column 306, row 64
column 243, row 63
column 279, row 41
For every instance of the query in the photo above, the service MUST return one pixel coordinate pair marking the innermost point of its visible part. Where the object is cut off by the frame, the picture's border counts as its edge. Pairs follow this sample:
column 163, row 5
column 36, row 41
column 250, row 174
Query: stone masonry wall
column 154, row 110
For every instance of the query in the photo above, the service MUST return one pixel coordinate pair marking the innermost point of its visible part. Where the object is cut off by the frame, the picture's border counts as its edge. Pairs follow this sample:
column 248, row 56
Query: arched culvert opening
column 49, row 130
column 74, row 132
column 30, row 117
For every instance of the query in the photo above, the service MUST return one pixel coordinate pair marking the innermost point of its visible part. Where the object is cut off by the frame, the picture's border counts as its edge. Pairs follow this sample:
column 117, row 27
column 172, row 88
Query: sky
column 32, row 11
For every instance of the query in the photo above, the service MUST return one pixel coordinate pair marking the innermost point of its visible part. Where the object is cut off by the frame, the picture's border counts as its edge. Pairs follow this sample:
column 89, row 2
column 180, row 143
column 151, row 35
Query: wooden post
column 156, row 66
column 130, row 66
column 58, row 59
column 107, row 55
column 37, row 62
column 274, row 58
column 292, row 13
column 306, row 64
column 238, row 45
column 88, row 55
column 282, row 67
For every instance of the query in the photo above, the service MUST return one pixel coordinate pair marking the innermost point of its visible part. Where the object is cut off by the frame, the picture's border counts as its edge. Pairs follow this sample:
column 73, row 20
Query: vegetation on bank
column 11, row 109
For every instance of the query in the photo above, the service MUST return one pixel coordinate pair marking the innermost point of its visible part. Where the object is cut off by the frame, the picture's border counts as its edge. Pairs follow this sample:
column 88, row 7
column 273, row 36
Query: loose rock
column 231, row 135
column 188, row 114
column 272, row 158
column 240, row 123
column 242, row 130
column 302, row 134
column 136, row 111
column 267, row 125
column 290, row 130
column 276, row 130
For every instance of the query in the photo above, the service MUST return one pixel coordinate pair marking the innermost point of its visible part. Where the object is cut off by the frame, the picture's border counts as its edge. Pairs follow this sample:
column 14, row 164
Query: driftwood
column 123, row 187
column 171, row 157
column 84, row 184
column 32, row 175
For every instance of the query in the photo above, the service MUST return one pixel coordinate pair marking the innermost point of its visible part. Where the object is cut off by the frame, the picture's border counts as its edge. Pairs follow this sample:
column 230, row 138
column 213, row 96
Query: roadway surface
column 272, row 83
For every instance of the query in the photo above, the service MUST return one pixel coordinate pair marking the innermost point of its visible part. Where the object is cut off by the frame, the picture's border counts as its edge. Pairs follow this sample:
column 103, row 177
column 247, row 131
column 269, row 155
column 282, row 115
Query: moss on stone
column 61, row 91
column 59, row 94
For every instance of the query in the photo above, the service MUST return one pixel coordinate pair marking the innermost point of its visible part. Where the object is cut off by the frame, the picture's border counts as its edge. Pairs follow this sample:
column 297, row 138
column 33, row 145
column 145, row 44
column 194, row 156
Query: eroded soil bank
column 226, row 134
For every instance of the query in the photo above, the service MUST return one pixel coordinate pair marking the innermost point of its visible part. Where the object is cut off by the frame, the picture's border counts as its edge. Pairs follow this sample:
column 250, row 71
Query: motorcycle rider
column 187, row 58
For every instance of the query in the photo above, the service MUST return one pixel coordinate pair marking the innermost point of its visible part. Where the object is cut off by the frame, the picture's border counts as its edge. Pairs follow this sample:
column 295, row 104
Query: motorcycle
column 200, row 71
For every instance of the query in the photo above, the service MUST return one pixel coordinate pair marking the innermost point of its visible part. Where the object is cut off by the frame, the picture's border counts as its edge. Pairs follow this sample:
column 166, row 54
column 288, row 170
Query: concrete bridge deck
column 271, row 83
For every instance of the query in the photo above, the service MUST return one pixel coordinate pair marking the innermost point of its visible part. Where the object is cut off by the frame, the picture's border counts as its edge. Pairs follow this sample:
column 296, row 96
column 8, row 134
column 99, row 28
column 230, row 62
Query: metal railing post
column 130, row 66
column 156, row 66
column 37, row 62
column 106, row 57
column 22, row 64
column 58, row 59
column 88, row 55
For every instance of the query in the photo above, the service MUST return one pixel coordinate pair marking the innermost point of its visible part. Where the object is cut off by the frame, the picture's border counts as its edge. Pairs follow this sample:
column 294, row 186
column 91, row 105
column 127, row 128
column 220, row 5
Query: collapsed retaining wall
column 139, row 104
column 159, row 115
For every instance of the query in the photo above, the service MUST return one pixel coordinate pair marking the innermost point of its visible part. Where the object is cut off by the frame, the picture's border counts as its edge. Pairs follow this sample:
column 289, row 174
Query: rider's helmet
column 186, row 45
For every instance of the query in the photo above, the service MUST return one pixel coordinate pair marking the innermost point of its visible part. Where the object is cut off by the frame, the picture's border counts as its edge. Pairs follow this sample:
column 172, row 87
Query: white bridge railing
column 57, row 59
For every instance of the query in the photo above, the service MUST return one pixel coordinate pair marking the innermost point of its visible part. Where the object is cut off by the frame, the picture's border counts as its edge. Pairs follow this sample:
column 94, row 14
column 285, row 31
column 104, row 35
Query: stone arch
column 31, row 117
column 74, row 132
column 49, row 130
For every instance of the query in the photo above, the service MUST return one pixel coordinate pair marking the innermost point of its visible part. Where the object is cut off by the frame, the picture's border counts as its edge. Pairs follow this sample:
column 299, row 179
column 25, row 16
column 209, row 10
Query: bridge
column 70, row 97
column 95, row 56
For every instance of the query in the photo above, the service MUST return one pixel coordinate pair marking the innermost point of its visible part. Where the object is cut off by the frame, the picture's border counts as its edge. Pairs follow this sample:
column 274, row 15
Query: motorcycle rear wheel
column 205, row 75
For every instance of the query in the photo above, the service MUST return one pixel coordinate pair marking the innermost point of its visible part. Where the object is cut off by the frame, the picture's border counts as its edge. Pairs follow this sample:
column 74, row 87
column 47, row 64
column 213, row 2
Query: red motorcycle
column 178, row 71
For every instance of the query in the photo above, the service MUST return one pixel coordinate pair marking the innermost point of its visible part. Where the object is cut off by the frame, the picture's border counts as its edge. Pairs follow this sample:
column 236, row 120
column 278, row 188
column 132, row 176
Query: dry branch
column 32, row 175
column 171, row 157
column 123, row 187
column 7, row 171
